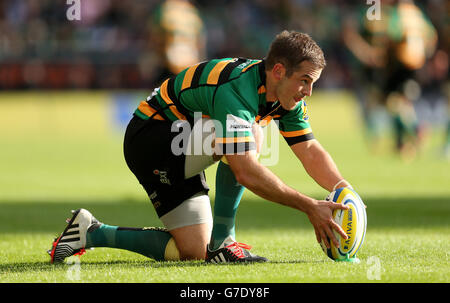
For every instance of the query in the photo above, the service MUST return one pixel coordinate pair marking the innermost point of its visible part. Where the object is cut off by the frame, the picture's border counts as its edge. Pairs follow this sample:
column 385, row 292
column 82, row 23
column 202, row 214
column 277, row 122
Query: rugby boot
column 72, row 241
column 231, row 251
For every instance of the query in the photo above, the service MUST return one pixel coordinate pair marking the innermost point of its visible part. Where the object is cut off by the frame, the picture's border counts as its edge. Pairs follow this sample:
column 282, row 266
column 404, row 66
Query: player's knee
column 184, row 251
column 197, row 252
column 191, row 241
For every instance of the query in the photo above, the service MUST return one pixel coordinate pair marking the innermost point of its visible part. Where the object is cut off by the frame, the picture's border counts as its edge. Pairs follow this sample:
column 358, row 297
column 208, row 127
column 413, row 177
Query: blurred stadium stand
column 133, row 45
column 115, row 44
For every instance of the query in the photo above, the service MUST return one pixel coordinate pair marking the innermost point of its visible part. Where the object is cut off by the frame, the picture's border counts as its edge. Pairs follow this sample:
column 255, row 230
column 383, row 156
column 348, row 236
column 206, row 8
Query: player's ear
column 278, row 71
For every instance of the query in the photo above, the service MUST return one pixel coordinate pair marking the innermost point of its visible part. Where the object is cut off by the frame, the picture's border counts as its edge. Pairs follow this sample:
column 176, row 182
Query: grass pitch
column 50, row 167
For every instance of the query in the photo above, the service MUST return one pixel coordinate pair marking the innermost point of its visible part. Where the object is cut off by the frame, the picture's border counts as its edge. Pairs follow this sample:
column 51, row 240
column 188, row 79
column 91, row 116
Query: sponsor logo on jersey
column 236, row 124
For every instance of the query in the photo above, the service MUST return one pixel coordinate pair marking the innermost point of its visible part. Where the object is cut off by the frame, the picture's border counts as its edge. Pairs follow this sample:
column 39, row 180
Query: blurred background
column 125, row 44
column 72, row 72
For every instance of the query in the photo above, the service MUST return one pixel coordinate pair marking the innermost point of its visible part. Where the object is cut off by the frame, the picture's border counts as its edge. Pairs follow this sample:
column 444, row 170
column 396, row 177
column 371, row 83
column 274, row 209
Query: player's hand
column 320, row 216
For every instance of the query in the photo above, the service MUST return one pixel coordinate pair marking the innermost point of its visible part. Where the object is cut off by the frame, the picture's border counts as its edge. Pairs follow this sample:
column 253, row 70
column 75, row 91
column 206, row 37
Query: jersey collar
column 265, row 107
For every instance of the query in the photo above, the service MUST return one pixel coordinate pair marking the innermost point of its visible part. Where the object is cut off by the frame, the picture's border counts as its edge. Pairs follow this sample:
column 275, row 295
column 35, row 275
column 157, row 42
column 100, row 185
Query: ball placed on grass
column 353, row 221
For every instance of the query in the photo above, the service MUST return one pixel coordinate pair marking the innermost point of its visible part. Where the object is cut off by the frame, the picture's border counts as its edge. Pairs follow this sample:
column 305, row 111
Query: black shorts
column 147, row 150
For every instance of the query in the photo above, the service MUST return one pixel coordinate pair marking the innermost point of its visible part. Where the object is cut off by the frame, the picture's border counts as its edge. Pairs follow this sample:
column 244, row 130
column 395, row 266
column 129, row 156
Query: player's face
column 291, row 90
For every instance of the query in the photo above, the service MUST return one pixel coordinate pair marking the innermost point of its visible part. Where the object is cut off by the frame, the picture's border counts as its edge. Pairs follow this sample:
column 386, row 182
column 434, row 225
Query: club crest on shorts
column 162, row 176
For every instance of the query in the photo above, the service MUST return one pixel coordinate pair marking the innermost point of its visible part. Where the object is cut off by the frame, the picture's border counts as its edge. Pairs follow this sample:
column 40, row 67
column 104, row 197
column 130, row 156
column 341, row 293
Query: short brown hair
column 291, row 48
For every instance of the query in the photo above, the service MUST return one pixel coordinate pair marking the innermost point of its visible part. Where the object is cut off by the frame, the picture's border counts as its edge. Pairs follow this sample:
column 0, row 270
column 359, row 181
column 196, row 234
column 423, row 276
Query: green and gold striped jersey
column 231, row 92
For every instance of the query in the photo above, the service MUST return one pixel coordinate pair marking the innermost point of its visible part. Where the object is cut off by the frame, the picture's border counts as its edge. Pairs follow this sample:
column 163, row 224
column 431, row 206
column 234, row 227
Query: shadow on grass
column 20, row 267
column 41, row 266
column 388, row 212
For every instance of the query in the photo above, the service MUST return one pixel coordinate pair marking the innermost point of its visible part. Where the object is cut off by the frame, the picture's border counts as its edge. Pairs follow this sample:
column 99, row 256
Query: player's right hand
column 321, row 217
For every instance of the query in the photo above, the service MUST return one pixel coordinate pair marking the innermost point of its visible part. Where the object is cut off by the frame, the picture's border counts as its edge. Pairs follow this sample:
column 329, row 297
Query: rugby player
column 235, row 95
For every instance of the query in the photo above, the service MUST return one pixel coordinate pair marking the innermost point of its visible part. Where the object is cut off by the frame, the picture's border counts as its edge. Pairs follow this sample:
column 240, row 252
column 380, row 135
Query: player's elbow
column 244, row 168
column 243, row 178
column 249, row 179
column 242, row 175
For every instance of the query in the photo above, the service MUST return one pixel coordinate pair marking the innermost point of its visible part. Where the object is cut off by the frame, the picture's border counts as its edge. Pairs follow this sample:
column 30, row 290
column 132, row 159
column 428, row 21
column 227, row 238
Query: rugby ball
column 353, row 221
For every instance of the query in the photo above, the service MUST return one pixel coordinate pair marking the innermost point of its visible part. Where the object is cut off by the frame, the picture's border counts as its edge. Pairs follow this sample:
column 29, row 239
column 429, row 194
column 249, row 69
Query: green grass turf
column 45, row 172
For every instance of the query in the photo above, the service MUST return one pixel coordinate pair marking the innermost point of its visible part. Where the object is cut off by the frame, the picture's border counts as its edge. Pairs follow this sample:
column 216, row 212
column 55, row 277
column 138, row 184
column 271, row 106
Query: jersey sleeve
column 233, row 119
column 294, row 126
